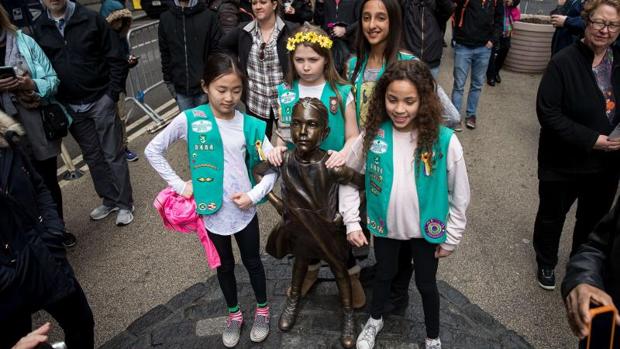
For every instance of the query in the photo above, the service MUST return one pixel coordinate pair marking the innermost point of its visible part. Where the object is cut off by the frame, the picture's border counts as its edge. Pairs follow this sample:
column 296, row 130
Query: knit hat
column 7, row 124
column 110, row 6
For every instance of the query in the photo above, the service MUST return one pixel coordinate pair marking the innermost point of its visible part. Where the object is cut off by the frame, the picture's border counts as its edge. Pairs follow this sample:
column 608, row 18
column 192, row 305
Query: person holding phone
column 568, row 23
column 593, row 278
column 576, row 107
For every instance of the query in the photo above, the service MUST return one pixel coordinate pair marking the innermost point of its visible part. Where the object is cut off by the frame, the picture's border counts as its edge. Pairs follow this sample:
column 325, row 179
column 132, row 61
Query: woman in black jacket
column 297, row 11
column 34, row 271
column 593, row 275
column 339, row 18
column 260, row 48
column 576, row 107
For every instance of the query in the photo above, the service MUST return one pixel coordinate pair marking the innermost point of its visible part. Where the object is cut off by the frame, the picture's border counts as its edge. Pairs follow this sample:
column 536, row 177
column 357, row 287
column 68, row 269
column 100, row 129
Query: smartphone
column 602, row 328
column 7, row 72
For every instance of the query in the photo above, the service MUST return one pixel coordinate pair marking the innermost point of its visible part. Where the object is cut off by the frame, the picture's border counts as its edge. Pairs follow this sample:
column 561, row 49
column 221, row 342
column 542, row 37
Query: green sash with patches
column 287, row 97
column 363, row 89
column 206, row 155
column 431, row 184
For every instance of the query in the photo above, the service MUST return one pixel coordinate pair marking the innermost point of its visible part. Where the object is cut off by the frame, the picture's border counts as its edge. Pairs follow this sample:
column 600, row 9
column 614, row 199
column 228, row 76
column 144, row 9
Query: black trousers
column 47, row 170
column 594, row 194
column 72, row 313
column 387, row 253
column 498, row 57
column 248, row 241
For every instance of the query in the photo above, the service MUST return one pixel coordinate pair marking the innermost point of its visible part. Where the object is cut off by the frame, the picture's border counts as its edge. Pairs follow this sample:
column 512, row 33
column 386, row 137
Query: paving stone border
column 195, row 318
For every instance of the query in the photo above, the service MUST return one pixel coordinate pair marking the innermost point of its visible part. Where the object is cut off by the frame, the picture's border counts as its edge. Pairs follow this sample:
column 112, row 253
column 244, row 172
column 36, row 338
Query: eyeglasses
column 261, row 52
column 598, row 24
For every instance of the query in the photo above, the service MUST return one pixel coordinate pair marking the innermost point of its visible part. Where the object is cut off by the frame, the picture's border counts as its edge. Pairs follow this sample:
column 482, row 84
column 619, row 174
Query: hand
column 290, row 10
column 34, row 338
column 558, row 20
column 132, row 61
column 604, row 143
column 188, row 191
column 242, row 200
column 578, row 306
column 440, row 252
column 357, row 238
column 275, row 156
column 561, row 2
column 9, row 84
column 336, row 158
column 489, row 44
column 339, row 31
column 26, row 83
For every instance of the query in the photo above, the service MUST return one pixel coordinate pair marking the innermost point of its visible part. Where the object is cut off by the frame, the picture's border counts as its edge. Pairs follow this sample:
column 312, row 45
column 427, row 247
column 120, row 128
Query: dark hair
column 312, row 106
column 219, row 64
column 394, row 13
column 428, row 118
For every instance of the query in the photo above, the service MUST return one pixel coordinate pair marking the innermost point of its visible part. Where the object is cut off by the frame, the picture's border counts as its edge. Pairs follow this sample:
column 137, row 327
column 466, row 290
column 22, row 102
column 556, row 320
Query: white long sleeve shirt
column 229, row 219
column 403, row 216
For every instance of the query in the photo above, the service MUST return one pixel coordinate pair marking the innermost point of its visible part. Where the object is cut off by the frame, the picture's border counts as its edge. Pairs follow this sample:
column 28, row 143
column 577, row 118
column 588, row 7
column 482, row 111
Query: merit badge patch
column 378, row 146
column 287, row 97
column 212, row 206
column 434, row 228
column 333, row 105
column 202, row 126
column 199, row 113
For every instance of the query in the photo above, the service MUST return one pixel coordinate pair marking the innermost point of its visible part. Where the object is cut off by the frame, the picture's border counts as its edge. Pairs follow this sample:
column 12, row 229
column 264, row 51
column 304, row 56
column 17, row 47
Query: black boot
column 347, row 338
column 498, row 79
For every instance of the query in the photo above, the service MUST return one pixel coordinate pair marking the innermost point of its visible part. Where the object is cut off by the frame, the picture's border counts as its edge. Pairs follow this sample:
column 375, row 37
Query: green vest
column 357, row 84
column 432, row 189
column 287, row 97
column 206, row 155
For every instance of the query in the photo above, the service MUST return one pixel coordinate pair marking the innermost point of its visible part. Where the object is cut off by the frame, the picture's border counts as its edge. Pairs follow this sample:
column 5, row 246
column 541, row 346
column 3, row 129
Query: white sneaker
column 101, row 212
column 366, row 339
column 433, row 343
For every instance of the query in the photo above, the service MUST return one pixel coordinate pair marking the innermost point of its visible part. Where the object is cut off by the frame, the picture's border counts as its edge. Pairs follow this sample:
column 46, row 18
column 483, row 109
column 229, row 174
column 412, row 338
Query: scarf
column 179, row 214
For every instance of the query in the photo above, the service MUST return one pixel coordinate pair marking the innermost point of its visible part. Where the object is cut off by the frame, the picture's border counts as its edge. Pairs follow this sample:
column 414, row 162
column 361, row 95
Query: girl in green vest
column 416, row 189
column 223, row 146
column 377, row 43
column 312, row 74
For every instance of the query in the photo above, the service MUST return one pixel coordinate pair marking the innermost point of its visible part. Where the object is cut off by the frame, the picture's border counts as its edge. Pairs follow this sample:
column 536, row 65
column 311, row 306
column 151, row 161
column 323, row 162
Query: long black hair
column 394, row 13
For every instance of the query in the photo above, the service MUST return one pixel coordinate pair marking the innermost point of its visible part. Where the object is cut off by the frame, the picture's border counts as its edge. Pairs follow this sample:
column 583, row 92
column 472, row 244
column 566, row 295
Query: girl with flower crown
column 312, row 74
column 417, row 190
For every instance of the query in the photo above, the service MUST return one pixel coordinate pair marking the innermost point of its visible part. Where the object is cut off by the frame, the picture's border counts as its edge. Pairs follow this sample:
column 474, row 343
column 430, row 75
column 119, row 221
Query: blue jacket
column 41, row 70
column 573, row 28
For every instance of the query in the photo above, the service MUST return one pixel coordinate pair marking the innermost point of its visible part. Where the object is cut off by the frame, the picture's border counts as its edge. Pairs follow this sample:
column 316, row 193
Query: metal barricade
column 147, row 75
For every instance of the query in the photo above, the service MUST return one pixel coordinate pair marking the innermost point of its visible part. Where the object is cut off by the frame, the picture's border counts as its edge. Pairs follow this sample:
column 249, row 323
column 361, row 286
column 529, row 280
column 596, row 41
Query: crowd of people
column 334, row 84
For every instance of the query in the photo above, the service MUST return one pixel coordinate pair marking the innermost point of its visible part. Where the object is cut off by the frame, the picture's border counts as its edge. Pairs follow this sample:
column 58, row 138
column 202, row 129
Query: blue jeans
column 188, row 102
column 478, row 59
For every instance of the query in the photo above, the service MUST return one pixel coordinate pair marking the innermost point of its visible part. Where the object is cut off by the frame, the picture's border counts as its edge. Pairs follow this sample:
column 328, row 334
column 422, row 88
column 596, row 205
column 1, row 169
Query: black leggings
column 248, row 241
column 47, row 170
column 72, row 313
column 387, row 253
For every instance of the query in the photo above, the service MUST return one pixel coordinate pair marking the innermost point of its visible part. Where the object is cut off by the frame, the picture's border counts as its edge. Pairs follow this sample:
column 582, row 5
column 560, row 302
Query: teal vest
column 357, row 84
column 206, row 155
column 287, row 97
column 432, row 188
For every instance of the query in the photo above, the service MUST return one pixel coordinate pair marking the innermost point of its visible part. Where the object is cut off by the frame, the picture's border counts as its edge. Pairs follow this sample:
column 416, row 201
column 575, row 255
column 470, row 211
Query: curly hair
column 428, row 117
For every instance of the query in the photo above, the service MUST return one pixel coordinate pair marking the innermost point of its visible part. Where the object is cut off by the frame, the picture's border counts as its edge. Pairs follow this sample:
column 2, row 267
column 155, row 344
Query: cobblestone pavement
column 195, row 317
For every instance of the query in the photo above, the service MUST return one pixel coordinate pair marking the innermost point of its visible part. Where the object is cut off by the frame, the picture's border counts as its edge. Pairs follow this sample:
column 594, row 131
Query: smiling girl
column 417, row 189
column 223, row 147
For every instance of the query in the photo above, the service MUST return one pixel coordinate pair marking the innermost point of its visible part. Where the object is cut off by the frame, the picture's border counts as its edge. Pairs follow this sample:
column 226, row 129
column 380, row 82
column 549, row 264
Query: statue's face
column 307, row 131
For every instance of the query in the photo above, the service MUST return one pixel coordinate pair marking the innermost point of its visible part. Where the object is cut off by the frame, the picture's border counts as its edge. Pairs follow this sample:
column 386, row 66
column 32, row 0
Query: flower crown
column 309, row 37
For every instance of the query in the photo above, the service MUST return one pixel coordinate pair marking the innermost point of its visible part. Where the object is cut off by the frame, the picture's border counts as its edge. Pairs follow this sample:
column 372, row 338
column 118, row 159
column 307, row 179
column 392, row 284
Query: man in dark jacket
column 339, row 19
column 91, row 70
column 422, row 21
column 593, row 275
column 297, row 11
column 188, row 34
column 34, row 271
column 478, row 25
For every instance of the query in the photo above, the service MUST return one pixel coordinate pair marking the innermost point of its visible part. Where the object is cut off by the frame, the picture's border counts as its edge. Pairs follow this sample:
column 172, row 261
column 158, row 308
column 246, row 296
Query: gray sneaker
column 231, row 333
column 260, row 328
column 124, row 217
column 102, row 212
